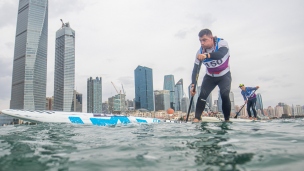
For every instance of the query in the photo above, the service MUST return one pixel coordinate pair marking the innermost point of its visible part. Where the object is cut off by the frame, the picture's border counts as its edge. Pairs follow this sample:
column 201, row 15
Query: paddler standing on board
column 214, row 53
column 249, row 98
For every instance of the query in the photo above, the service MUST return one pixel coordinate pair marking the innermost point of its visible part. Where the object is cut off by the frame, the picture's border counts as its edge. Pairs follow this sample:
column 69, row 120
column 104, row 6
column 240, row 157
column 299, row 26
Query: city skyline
column 255, row 56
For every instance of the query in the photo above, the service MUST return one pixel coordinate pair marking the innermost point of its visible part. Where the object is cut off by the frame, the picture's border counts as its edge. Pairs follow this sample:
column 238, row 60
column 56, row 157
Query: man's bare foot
column 250, row 118
column 195, row 120
column 255, row 119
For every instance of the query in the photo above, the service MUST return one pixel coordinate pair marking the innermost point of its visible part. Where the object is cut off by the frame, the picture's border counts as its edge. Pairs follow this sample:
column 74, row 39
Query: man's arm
column 221, row 52
column 195, row 68
column 244, row 97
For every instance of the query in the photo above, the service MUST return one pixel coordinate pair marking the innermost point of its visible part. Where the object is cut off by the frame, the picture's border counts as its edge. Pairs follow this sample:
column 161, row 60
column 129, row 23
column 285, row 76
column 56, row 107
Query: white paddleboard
column 216, row 119
column 76, row 117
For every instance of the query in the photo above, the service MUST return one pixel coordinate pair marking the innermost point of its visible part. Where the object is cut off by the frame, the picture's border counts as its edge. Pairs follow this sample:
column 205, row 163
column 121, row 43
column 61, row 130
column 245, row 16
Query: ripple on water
column 276, row 145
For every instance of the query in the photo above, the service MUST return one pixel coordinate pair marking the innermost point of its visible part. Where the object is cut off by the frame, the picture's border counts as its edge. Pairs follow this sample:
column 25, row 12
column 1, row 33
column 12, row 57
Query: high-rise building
column 278, row 111
column 105, row 107
column 49, row 103
column 64, row 79
column 162, row 99
column 220, row 102
column 298, row 110
column 287, row 109
column 94, row 95
column 119, row 105
column 144, row 88
column 30, row 56
column 270, row 111
column 231, row 96
column 259, row 103
column 111, row 104
column 185, row 104
column 169, row 84
column 77, row 102
column 179, row 94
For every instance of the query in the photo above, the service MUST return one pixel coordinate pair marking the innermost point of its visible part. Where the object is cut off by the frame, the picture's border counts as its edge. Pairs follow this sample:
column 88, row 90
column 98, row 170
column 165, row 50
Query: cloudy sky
column 113, row 37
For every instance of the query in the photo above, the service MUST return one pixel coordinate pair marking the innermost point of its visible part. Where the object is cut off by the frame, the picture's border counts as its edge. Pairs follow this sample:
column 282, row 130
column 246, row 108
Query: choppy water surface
column 275, row 145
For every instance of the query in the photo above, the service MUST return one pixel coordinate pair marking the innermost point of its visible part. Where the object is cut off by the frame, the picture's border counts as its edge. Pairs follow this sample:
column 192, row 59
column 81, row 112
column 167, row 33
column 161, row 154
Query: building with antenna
column 64, row 79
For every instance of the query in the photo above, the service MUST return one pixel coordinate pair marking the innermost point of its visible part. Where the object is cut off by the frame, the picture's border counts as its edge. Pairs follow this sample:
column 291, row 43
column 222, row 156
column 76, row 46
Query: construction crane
column 115, row 87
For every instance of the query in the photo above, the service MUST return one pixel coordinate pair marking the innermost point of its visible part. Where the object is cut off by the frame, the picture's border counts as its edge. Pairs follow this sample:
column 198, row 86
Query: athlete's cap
column 241, row 85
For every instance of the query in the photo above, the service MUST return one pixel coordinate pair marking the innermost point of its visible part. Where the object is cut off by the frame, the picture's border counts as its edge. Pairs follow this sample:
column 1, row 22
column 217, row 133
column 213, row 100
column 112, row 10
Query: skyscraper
column 162, row 99
column 169, row 85
column 64, row 80
column 179, row 94
column 144, row 88
column 231, row 96
column 220, row 102
column 185, row 104
column 259, row 103
column 94, row 95
column 77, row 102
column 30, row 56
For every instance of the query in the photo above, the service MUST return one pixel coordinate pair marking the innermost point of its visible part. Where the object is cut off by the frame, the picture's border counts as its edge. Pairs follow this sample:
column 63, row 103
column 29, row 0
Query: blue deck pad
column 112, row 121
column 141, row 121
column 76, row 120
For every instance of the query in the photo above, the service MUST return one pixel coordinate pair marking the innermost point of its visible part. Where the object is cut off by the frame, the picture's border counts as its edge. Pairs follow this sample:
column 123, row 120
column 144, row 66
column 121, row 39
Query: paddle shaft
column 197, row 74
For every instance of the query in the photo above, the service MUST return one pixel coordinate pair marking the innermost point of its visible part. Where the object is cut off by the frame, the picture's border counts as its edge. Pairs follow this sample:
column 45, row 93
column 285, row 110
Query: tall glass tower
column 94, row 95
column 259, row 103
column 30, row 56
column 169, row 85
column 144, row 88
column 179, row 94
column 162, row 100
column 64, row 80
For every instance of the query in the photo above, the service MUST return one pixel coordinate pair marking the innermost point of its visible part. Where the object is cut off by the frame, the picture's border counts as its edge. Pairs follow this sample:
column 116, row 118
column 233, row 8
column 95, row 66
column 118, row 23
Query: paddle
column 243, row 105
column 197, row 73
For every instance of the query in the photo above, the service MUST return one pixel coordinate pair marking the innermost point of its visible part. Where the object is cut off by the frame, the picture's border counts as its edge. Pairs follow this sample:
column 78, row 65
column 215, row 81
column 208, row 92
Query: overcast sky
column 113, row 37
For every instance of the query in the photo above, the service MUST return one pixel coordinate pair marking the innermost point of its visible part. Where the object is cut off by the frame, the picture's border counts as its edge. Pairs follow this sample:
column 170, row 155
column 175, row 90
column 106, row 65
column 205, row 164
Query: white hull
column 76, row 117
column 213, row 119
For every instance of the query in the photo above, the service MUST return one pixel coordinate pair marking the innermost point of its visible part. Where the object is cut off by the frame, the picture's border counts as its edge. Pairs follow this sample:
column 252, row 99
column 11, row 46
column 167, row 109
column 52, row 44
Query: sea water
column 271, row 145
